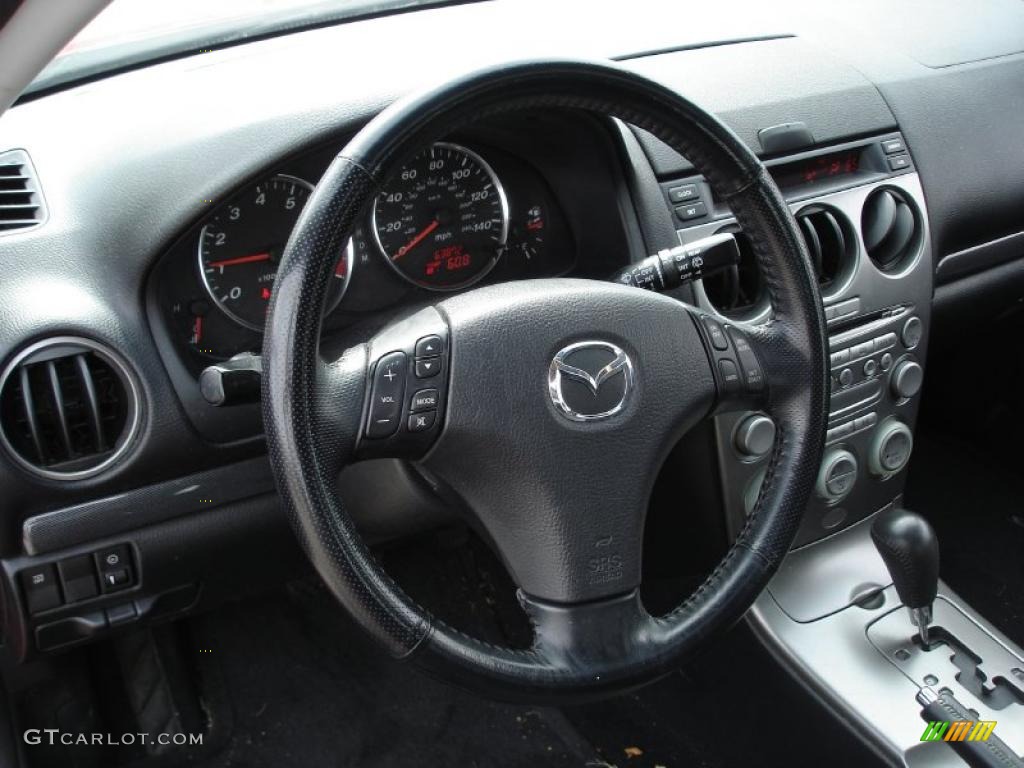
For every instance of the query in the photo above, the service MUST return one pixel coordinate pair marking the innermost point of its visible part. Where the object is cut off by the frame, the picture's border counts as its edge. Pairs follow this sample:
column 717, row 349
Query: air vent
column 891, row 227
column 738, row 292
column 21, row 202
column 830, row 242
column 68, row 408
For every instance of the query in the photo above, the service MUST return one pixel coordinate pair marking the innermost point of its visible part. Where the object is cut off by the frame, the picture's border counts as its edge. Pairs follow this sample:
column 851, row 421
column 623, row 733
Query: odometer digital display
column 442, row 220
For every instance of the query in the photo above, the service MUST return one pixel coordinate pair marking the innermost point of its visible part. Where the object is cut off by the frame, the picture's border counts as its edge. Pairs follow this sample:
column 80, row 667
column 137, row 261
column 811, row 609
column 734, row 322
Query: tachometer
column 442, row 221
column 242, row 243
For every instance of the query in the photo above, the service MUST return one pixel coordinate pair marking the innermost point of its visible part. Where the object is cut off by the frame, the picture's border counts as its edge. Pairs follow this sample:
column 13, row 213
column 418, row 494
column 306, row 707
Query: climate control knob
column 906, row 379
column 890, row 448
column 838, row 475
column 755, row 436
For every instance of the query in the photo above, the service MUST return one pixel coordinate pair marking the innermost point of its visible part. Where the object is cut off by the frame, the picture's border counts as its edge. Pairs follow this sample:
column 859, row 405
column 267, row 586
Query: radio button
column 907, row 379
column 846, row 377
column 885, row 342
column 863, row 422
column 840, row 358
column 870, row 367
column 862, row 349
column 912, row 332
column 886, row 361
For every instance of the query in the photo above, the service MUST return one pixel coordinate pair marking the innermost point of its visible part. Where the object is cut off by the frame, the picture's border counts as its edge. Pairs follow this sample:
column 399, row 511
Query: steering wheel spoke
column 590, row 634
column 405, row 387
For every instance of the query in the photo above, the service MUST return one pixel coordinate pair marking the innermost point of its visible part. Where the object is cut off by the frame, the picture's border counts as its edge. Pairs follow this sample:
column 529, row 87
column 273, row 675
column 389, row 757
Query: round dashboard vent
column 891, row 227
column 69, row 408
column 830, row 242
column 738, row 292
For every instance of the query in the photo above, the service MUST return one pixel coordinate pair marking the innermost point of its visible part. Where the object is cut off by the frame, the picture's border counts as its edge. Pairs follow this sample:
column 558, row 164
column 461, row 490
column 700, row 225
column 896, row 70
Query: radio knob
column 837, row 476
column 755, row 436
column 906, row 379
column 890, row 449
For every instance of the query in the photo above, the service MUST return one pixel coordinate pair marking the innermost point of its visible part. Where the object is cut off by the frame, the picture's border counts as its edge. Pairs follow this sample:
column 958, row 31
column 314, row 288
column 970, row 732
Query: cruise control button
column 420, row 422
column 730, row 376
column 428, row 346
column 752, row 375
column 427, row 368
column 387, row 396
column 716, row 334
column 424, row 400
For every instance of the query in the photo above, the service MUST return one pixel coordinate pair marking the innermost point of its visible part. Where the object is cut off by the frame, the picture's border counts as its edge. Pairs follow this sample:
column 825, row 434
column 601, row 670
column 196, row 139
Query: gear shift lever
column 910, row 549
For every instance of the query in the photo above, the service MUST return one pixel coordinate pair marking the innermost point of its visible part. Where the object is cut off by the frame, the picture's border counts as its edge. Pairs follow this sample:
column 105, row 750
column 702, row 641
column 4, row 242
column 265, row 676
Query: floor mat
column 974, row 501
column 307, row 688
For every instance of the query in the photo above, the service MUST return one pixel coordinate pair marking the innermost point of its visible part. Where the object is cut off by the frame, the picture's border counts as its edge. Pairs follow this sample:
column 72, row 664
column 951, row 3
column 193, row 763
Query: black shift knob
column 910, row 549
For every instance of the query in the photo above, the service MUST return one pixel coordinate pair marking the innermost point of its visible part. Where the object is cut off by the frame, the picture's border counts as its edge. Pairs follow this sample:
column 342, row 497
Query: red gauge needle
column 239, row 260
column 416, row 240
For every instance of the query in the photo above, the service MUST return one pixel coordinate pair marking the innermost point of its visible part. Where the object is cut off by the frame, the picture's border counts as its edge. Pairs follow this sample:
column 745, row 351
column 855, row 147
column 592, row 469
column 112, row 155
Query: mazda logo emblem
column 590, row 380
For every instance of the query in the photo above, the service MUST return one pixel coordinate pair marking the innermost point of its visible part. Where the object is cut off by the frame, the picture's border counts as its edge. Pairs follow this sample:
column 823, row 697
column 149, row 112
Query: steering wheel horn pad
column 562, row 499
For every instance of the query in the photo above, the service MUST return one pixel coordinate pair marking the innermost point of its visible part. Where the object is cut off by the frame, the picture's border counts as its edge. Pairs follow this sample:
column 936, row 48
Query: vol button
column 387, row 396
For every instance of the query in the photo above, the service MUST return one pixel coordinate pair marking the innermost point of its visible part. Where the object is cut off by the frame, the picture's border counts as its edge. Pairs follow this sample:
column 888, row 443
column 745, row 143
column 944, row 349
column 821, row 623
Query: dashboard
column 168, row 205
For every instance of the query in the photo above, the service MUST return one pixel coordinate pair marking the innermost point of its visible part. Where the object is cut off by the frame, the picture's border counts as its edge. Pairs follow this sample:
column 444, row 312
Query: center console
column 862, row 212
column 832, row 613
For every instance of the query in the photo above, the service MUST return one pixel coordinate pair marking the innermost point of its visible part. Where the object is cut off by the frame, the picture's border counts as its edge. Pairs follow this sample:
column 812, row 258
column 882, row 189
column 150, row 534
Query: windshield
column 132, row 32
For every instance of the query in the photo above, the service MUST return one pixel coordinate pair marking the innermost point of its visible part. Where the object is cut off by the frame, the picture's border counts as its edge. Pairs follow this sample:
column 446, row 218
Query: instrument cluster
column 454, row 216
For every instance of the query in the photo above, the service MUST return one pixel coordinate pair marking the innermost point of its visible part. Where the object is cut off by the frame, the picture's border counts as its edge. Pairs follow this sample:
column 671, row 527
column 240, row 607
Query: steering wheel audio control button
column 387, row 396
column 428, row 346
column 424, row 400
column 421, row 422
column 425, row 369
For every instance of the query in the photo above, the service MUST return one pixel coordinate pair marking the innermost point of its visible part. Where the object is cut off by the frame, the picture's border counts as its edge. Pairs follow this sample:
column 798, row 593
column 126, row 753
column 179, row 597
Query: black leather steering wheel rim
column 313, row 409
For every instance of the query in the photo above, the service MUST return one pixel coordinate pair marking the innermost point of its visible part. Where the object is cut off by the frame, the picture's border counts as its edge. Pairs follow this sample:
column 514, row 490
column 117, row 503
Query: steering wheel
column 555, row 404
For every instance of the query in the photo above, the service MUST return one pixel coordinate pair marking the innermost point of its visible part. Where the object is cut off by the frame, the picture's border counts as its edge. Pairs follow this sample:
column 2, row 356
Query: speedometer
column 442, row 221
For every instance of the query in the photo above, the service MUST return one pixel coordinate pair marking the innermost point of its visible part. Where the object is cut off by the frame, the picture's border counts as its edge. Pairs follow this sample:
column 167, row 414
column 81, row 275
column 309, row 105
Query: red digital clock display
column 817, row 169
